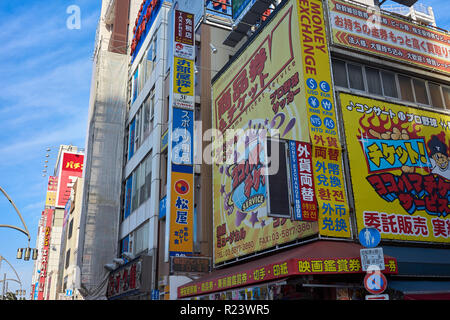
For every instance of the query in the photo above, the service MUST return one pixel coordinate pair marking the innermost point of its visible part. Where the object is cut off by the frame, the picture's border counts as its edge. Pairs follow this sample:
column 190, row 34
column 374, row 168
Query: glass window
column 135, row 89
column 339, row 73
column 141, row 238
column 132, row 138
column 406, row 91
column 137, row 133
column 421, row 91
column 389, row 84
column 141, row 173
column 446, row 92
column 148, row 176
column 435, row 95
column 70, row 229
column 355, row 77
column 67, row 259
column 373, row 81
column 135, row 192
column 128, row 196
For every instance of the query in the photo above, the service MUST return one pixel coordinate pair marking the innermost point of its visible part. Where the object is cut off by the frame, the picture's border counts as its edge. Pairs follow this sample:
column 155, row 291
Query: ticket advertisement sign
column 366, row 30
column 399, row 168
column 265, row 89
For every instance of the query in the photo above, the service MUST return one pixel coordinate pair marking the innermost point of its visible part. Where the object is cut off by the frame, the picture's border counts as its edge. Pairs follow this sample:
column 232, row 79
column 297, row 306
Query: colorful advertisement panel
column 181, row 211
column 262, row 91
column 399, row 168
column 52, row 187
column 71, row 168
column 366, row 30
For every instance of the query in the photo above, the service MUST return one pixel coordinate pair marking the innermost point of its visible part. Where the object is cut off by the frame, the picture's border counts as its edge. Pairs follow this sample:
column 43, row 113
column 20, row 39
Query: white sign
column 372, row 257
column 183, row 50
column 377, row 297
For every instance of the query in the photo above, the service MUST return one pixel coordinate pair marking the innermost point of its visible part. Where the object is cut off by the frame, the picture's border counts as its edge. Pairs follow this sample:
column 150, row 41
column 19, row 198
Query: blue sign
column 369, row 237
column 155, row 294
column 295, row 181
column 311, row 83
column 162, row 207
column 324, row 86
column 183, row 137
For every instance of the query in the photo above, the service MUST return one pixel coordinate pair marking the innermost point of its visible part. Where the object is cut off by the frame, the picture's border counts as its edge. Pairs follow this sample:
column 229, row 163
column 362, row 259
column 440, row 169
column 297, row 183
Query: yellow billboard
column 265, row 89
column 334, row 220
column 399, row 168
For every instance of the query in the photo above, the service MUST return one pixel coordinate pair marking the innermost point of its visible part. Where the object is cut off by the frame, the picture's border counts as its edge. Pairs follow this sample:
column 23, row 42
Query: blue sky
column 45, row 73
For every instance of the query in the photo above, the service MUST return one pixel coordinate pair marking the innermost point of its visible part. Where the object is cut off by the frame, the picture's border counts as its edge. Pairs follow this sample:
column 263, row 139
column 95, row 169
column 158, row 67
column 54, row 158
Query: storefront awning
column 416, row 261
column 422, row 290
column 320, row 257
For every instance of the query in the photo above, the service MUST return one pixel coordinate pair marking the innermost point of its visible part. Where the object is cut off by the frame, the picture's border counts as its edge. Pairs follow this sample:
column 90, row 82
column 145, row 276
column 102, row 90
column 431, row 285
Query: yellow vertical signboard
column 181, row 213
column 327, row 155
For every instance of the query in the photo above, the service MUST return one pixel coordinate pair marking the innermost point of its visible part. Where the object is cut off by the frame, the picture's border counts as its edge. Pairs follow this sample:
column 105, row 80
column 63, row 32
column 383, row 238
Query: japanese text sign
column 181, row 212
column 183, row 83
column 358, row 28
column 184, row 35
column 305, row 202
column 400, row 168
column 261, row 91
column 52, row 187
column 182, row 136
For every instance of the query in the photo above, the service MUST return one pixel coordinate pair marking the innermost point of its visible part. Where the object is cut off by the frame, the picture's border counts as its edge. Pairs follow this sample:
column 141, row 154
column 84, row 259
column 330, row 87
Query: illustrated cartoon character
column 440, row 161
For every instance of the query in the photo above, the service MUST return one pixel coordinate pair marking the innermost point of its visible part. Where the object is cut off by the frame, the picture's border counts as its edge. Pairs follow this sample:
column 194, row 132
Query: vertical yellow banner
column 328, row 177
column 182, row 213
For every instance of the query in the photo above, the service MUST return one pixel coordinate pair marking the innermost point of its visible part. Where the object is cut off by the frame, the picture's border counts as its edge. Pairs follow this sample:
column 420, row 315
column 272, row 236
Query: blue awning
column 414, row 261
column 420, row 287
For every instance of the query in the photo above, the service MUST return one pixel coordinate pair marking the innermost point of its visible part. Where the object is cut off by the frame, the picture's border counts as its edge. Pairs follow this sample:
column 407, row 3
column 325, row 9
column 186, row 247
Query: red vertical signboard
column 45, row 251
column 71, row 168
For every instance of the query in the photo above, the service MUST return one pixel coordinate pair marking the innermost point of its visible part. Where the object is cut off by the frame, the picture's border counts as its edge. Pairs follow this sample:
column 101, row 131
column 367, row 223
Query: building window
column 389, row 84
column 446, row 92
column 141, row 238
column 67, row 259
column 420, row 91
column 70, row 229
column 340, row 73
column 373, row 81
column 435, row 95
column 355, row 77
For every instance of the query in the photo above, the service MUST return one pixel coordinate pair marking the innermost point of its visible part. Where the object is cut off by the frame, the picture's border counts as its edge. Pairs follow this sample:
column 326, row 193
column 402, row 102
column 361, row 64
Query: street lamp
column 25, row 231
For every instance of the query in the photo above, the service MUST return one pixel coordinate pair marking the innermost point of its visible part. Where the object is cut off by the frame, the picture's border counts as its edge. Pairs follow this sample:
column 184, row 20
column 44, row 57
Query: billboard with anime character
column 399, row 165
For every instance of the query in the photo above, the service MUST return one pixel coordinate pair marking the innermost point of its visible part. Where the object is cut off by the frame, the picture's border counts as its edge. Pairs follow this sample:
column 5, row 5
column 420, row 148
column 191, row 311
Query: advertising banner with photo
column 380, row 33
column 400, row 168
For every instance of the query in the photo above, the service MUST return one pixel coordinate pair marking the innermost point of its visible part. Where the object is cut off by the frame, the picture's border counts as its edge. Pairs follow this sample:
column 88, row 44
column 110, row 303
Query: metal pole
column 3, row 290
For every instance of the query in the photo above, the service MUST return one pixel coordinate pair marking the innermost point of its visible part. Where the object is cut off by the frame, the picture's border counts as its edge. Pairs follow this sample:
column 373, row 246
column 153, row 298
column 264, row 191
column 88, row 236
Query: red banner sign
column 71, row 168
